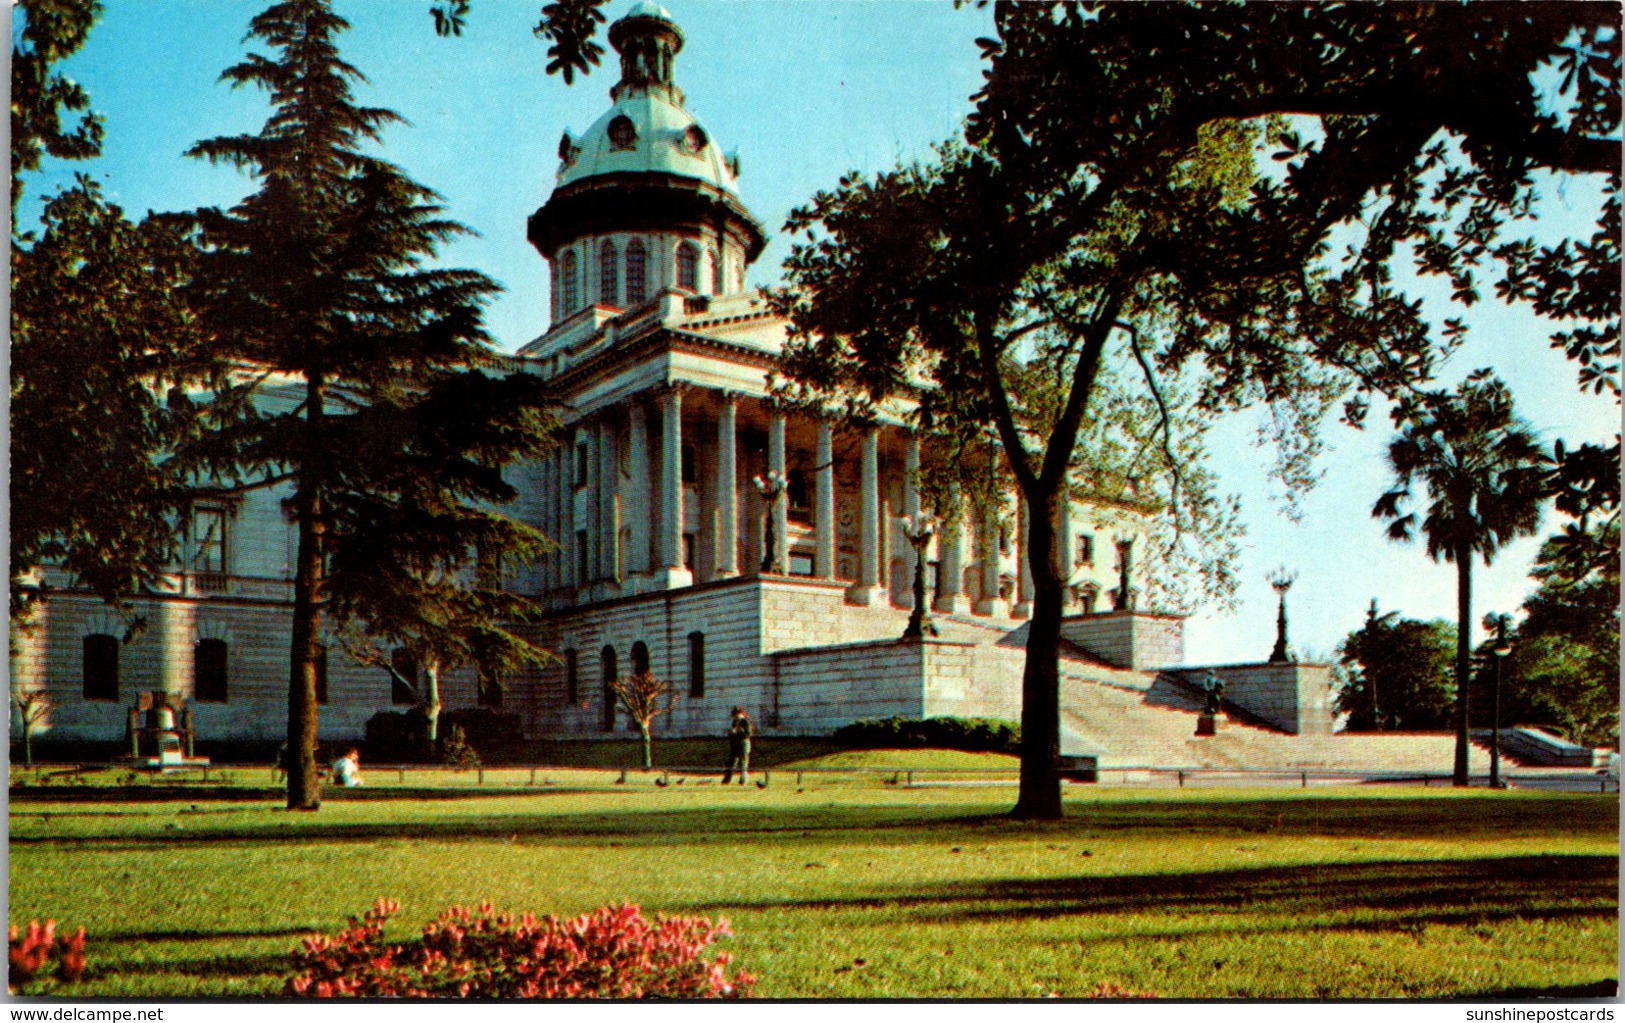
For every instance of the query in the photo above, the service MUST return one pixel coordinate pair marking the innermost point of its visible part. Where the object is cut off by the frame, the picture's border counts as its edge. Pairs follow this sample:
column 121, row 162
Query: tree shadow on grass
column 1372, row 895
column 148, row 937
column 643, row 821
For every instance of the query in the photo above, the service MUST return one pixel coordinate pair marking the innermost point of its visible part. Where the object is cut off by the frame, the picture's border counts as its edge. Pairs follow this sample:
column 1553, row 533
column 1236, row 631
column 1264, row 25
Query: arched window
column 640, row 658
column 688, row 267
column 696, row 664
column 609, row 274
column 209, row 671
column 101, row 667
column 637, row 266
column 610, row 674
column 572, row 283
column 716, row 272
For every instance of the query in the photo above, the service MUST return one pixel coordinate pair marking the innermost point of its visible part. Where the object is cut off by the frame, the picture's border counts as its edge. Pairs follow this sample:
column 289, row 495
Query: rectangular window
column 583, row 569
column 696, row 664
column 688, row 551
column 209, row 657
column 690, row 472
column 1086, row 549
column 403, row 677
column 101, row 667
column 581, row 463
column 209, row 540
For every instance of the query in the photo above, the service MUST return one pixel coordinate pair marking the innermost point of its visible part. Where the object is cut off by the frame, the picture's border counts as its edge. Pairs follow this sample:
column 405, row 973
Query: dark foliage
column 973, row 735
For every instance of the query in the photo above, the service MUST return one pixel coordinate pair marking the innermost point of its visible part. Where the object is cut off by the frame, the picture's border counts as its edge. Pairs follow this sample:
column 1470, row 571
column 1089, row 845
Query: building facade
column 752, row 557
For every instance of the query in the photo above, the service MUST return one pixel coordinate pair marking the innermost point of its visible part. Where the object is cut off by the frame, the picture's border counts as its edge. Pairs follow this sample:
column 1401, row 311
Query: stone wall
column 49, row 655
column 1129, row 639
column 822, row 689
column 1294, row 697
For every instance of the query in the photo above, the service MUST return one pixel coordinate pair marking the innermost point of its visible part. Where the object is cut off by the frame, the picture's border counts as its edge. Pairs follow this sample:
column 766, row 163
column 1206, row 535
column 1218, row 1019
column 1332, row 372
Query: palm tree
column 1484, row 476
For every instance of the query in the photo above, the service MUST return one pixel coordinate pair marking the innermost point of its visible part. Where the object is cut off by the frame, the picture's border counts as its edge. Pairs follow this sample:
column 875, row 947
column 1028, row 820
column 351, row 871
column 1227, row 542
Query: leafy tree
column 447, row 612
column 1567, row 647
column 1483, row 476
column 361, row 385
column 644, row 698
column 33, row 706
column 1394, row 674
column 100, row 337
column 569, row 26
column 51, row 31
column 1083, row 205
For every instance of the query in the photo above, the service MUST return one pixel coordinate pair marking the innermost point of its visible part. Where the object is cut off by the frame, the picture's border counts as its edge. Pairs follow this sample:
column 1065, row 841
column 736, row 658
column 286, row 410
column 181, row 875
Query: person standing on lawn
column 740, row 729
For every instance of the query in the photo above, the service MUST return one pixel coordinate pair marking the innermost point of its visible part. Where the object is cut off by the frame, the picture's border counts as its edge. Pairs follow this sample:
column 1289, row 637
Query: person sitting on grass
column 740, row 730
column 347, row 769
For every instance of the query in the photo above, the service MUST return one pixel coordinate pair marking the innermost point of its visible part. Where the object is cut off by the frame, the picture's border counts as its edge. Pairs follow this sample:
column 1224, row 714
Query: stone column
column 565, row 495
column 950, row 568
column 824, row 513
column 867, row 591
column 609, row 505
column 673, row 573
column 727, row 488
column 1024, row 569
column 591, row 511
column 911, row 509
column 1065, row 548
column 781, row 506
column 990, row 603
column 640, row 506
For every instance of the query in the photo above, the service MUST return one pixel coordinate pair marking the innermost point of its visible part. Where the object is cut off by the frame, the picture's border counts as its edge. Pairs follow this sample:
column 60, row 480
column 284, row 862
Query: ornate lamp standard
column 918, row 530
column 1124, row 597
column 1498, row 652
column 771, row 487
column 1280, row 581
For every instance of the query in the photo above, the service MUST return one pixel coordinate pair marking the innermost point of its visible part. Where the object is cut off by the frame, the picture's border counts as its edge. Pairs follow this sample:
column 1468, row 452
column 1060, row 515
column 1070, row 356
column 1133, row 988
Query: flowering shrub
column 612, row 952
column 33, row 951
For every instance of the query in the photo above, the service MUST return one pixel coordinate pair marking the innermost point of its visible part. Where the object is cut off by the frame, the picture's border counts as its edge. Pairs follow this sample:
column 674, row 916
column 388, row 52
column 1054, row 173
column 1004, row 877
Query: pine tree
column 368, row 385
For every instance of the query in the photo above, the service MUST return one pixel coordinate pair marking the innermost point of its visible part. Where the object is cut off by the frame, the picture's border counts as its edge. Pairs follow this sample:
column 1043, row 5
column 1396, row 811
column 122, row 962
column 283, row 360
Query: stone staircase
column 1148, row 719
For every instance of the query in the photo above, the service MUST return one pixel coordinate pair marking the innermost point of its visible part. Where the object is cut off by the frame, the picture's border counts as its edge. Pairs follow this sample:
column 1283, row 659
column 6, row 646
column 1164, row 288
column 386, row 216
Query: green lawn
column 875, row 891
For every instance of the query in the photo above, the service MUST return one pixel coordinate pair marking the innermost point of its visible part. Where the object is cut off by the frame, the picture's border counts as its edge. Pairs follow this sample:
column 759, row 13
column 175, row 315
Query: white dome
column 646, row 132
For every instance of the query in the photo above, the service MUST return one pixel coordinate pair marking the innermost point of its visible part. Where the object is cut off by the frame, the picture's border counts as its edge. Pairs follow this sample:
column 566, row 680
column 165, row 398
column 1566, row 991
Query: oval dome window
column 694, row 139
column 622, row 133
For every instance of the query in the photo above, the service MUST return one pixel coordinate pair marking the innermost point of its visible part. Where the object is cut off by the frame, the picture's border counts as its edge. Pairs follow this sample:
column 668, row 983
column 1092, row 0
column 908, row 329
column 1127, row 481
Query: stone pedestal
column 1209, row 724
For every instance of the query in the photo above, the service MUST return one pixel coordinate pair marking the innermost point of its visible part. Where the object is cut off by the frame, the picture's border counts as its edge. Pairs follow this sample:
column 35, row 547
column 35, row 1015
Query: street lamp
column 771, row 487
column 1498, row 652
column 918, row 530
column 1280, row 581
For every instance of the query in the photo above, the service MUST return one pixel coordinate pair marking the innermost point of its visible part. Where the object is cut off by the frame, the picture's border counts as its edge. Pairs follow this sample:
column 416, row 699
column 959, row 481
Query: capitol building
column 748, row 554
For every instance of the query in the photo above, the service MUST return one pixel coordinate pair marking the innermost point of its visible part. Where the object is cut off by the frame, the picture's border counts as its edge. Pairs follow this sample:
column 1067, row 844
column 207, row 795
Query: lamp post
column 1124, row 598
column 918, row 530
column 1498, row 652
column 771, row 487
column 1280, row 581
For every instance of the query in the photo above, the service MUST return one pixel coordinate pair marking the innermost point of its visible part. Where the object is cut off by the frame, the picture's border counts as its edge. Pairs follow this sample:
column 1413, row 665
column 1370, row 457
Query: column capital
column 729, row 395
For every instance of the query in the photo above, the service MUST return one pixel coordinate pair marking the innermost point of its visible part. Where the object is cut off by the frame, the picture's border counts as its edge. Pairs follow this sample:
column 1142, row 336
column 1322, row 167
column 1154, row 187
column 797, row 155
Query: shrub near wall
column 972, row 735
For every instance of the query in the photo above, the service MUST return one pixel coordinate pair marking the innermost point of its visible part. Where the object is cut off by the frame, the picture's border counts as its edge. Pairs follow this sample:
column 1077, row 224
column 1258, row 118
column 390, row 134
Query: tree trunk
column 648, row 746
column 304, row 784
column 1464, row 647
column 1040, row 793
column 28, row 745
column 431, row 700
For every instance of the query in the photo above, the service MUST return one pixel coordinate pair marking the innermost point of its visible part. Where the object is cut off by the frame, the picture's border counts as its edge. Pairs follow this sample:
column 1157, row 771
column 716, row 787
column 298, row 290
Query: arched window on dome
column 609, row 275
column 637, row 263
column 716, row 273
column 572, row 283
column 688, row 267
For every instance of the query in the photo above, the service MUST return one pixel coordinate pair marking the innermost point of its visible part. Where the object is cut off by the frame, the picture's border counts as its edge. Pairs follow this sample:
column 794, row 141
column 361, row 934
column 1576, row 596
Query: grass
column 869, row 892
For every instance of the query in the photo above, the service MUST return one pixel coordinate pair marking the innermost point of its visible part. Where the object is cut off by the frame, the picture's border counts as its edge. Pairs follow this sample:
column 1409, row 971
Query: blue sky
column 805, row 91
